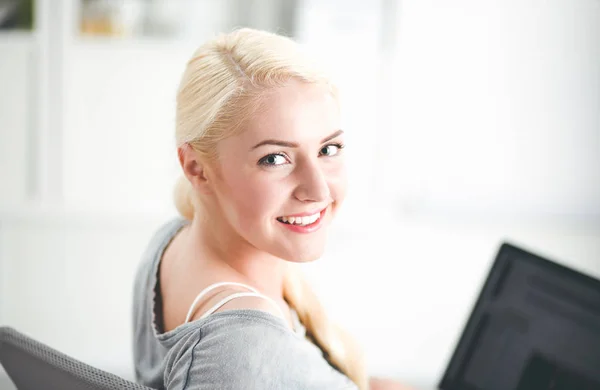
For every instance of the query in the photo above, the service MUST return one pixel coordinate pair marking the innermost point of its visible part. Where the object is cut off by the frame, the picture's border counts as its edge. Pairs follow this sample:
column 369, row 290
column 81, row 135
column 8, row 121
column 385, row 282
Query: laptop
column 534, row 326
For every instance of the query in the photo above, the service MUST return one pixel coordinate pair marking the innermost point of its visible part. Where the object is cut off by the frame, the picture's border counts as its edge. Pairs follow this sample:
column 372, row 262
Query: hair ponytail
column 183, row 198
column 339, row 348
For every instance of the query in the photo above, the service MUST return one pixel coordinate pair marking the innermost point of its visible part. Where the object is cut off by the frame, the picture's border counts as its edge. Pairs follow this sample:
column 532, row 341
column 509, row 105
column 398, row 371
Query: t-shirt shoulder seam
column 187, row 374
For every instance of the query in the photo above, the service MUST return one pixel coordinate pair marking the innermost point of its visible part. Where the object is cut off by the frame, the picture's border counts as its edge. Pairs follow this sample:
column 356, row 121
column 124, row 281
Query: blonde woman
column 218, row 301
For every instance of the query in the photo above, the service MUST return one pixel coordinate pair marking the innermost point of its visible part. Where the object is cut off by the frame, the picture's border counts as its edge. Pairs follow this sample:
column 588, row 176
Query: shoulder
column 159, row 238
column 247, row 349
column 227, row 348
column 163, row 234
column 146, row 272
column 146, row 269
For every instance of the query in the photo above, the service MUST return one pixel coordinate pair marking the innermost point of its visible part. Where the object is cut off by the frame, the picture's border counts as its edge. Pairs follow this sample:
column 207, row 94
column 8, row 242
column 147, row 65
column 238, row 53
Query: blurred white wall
column 479, row 123
column 498, row 108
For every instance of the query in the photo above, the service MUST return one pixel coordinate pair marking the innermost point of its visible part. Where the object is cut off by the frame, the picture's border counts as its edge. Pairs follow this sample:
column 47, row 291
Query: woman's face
column 282, row 179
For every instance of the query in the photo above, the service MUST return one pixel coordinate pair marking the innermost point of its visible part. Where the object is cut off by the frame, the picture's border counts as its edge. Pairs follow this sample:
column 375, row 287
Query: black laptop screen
column 535, row 326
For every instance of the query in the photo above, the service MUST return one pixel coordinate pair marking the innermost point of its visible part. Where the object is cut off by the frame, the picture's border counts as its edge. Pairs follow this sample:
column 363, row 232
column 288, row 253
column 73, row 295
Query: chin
column 304, row 259
column 304, row 256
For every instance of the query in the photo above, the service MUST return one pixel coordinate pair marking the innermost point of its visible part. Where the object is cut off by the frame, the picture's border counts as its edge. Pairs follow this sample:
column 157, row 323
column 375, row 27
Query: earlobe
column 193, row 168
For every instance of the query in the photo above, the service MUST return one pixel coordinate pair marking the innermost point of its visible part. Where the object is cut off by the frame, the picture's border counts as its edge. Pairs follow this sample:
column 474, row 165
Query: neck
column 235, row 259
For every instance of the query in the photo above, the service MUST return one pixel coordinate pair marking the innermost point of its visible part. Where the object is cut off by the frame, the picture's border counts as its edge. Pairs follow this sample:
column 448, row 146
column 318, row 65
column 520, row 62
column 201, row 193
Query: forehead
column 298, row 112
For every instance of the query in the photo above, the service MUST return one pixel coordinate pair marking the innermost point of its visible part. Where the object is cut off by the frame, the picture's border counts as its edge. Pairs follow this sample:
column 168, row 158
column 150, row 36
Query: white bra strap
column 217, row 285
column 239, row 295
column 209, row 289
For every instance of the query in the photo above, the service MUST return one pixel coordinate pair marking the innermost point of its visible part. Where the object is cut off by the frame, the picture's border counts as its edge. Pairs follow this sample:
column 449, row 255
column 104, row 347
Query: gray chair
column 33, row 365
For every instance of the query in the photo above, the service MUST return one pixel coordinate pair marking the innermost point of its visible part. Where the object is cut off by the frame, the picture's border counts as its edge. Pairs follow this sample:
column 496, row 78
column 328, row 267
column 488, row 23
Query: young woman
column 219, row 303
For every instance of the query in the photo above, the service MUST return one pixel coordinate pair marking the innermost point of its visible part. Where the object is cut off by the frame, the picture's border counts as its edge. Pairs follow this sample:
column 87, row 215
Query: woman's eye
column 273, row 160
column 330, row 150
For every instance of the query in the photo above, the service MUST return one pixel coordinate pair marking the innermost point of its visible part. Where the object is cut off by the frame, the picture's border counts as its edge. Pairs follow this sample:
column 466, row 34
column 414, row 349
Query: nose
column 312, row 183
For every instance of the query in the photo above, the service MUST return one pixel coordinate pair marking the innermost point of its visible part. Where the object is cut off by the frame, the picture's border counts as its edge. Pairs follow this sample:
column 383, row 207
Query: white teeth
column 307, row 220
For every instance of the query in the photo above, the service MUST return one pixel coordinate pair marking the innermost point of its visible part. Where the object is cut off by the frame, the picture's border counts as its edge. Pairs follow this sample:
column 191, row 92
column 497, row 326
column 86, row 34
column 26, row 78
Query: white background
column 469, row 123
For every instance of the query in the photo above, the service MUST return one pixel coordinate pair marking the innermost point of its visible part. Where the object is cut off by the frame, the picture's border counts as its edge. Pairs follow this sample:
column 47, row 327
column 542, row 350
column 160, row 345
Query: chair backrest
column 34, row 365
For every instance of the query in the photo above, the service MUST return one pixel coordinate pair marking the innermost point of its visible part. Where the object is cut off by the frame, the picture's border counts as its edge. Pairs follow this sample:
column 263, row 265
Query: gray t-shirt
column 233, row 349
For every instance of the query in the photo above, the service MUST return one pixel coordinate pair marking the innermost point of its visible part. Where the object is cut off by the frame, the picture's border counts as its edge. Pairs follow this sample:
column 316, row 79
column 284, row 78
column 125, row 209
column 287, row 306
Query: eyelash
column 263, row 162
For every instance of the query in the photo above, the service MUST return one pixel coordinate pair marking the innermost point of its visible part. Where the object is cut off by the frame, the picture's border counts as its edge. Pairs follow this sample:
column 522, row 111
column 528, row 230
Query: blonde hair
column 222, row 86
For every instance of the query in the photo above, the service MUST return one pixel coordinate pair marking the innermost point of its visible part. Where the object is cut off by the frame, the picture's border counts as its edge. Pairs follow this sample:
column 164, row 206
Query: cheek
column 338, row 181
column 252, row 199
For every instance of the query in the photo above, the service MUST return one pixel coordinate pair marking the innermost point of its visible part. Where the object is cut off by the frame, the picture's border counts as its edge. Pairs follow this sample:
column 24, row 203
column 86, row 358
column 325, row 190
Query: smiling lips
column 306, row 223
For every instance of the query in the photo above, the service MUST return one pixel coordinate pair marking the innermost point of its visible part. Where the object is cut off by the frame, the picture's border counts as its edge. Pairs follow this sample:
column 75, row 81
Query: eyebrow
column 288, row 144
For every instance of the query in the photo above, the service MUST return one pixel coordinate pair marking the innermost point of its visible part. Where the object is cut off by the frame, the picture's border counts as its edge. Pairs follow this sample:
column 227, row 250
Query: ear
column 193, row 167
